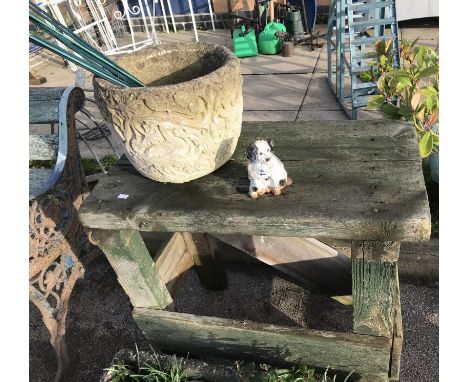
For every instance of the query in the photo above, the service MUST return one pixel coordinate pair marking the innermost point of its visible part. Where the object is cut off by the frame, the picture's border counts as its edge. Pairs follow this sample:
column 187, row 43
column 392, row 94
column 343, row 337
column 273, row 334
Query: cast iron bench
column 55, row 194
column 354, row 181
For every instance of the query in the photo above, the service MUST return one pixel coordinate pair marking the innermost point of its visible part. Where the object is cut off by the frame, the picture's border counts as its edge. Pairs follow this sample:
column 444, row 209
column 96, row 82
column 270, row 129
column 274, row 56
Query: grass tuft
column 161, row 369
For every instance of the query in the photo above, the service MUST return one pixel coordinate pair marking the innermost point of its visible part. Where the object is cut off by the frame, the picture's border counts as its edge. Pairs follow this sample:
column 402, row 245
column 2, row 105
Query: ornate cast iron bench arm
column 54, row 198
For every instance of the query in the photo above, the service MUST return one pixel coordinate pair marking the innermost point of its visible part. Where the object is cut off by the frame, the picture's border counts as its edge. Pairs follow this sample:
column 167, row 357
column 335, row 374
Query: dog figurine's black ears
column 252, row 152
column 271, row 143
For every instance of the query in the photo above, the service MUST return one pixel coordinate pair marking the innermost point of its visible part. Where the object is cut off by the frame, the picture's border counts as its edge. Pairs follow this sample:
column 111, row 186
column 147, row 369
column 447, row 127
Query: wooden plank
column 210, row 270
column 39, row 179
column 306, row 260
column 350, row 201
column 43, row 147
column 134, row 267
column 44, row 104
column 351, row 181
column 397, row 345
column 378, row 140
column 342, row 246
column 180, row 332
column 374, row 269
column 172, row 262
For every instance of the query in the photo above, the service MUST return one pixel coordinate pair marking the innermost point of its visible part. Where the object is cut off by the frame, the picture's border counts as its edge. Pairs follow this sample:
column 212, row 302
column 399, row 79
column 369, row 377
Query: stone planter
column 185, row 124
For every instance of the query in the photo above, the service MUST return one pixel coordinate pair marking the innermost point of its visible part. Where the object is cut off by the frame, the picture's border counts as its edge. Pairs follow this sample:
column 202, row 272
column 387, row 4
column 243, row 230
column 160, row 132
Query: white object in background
column 194, row 24
column 163, row 10
column 211, row 15
column 416, row 9
column 106, row 17
column 172, row 15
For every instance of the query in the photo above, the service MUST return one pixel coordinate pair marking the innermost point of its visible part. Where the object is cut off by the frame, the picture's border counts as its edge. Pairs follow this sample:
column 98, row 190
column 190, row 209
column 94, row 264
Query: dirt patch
column 260, row 293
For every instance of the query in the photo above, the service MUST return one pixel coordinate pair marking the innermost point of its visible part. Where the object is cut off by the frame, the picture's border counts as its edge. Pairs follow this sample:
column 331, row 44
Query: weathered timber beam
column 179, row 332
column 43, row 104
column 374, row 269
column 134, row 267
column 43, row 147
column 306, row 260
column 397, row 344
column 210, row 270
column 172, row 262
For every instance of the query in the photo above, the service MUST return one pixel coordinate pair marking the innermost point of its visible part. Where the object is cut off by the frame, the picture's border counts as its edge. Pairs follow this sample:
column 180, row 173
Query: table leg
column 374, row 272
column 210, row 270
column 397, row 344
column 134, row 266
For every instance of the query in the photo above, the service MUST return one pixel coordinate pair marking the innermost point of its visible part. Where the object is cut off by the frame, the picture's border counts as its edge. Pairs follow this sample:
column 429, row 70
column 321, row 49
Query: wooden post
column 134, row 267
column 172, row 262
column 374, row 270
column 210, row 270
column 395, row 360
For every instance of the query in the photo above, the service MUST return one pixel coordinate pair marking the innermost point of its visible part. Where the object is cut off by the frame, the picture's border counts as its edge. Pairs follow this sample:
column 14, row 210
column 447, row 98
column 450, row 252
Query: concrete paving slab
column 56, row 75
column 322, row 63
column 319, row 95
column 321, row 115
column 303, row 61
column 275, row 91
column 269, row 115
column 424, row 34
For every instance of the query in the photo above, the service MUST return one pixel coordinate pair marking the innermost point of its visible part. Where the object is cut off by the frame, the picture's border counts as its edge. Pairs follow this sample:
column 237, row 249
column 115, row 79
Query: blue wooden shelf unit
column 353, row 29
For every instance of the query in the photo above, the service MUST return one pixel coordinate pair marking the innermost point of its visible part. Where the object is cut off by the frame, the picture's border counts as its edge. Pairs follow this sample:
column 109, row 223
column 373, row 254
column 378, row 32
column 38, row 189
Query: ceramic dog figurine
column 266, row 172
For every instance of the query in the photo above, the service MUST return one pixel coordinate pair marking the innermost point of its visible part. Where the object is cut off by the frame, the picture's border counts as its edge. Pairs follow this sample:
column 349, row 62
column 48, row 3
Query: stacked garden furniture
column 357, row 181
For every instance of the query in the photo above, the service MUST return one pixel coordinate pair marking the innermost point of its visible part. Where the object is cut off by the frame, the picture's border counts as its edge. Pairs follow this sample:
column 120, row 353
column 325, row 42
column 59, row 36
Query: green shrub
column 410, row 92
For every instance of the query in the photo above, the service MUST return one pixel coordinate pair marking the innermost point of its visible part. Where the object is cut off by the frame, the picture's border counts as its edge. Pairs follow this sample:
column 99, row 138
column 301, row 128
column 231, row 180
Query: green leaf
column 429, row 91
column 406, row 111
column 390, row 110
column 425, row 144
column 401, row 85
column 429, row 101
column 414, row 42
column 381, row 84
column 429, row 71
column 365, row 76
column 420, row 56
column 375, row 101
column 383, row 60
column 406, row 80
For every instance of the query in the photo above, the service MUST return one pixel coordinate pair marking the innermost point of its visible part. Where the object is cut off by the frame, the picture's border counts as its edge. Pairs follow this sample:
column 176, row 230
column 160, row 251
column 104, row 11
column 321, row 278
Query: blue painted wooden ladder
column 353, row 29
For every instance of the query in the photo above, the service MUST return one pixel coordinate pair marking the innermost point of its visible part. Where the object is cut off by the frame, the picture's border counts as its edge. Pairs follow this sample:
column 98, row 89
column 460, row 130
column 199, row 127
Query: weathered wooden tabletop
column 359, row 180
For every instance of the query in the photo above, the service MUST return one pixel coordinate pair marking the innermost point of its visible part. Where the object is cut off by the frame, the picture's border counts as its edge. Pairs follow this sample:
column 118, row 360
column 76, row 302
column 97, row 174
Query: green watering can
column 268, row 43
column 245, row 42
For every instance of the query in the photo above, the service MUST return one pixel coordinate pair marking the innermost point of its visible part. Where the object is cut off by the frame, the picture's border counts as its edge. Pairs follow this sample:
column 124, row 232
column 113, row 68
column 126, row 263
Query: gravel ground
column 100, row 324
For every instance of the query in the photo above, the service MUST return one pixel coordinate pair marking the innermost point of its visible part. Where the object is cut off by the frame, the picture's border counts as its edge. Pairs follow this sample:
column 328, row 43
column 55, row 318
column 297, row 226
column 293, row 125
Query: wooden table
column 359, row 182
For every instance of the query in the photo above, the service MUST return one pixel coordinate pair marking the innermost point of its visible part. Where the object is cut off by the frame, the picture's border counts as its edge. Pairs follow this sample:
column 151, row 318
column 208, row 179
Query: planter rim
column 231, row 60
